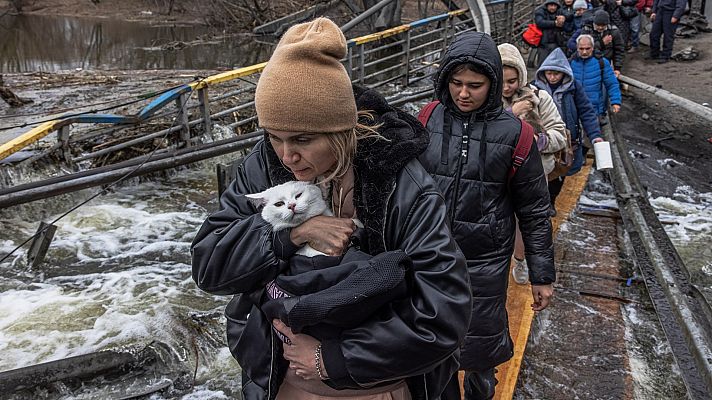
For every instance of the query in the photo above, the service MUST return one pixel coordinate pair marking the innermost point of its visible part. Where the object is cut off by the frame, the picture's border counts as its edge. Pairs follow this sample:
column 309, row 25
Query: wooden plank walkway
column 519, row 297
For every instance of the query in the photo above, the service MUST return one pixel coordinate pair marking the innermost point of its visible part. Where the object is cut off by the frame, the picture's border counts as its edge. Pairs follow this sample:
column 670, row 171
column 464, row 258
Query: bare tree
column 251, row 13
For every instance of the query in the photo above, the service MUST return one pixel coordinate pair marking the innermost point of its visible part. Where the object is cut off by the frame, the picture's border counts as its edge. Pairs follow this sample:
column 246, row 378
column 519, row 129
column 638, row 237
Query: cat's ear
column 258, row 199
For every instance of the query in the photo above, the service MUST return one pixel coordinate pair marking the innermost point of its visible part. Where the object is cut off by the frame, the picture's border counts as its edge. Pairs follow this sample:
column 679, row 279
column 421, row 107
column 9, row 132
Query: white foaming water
column 117, row 274
column 68, row 316
column 691, row 211
column 691, row 215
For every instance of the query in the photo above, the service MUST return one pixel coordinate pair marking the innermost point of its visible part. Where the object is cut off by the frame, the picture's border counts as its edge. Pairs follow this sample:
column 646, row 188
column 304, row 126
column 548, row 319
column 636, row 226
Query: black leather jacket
column 470, row 156
column 235, row 252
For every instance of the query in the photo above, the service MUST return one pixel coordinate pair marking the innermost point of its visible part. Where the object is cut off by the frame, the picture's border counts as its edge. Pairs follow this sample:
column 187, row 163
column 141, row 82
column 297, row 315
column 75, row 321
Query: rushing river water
column 52, row 43
column 117, row 274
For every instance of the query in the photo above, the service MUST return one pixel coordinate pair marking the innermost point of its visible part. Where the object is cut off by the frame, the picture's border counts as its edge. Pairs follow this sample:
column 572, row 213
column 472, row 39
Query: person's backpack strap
column 521, row 151
column 424, row 114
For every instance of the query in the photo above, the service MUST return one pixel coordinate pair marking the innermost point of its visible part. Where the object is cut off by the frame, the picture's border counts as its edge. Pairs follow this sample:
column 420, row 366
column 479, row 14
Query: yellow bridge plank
column 28, row 138
column 519, row 297
column 228, row 76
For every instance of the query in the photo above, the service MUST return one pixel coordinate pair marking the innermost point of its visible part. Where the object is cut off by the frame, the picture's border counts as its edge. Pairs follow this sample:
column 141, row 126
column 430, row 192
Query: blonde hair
column 344, row 143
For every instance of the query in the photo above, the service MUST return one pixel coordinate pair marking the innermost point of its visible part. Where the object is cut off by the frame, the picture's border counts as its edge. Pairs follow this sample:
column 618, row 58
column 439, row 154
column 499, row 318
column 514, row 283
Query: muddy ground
column 657, row 130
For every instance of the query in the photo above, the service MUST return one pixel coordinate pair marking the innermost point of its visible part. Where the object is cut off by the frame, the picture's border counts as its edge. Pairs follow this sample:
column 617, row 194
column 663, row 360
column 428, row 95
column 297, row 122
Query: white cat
column 289, row 205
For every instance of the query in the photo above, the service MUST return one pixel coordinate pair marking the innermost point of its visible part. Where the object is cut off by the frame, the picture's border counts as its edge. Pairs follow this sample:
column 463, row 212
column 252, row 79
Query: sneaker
column 663, row 60
column 520, row 272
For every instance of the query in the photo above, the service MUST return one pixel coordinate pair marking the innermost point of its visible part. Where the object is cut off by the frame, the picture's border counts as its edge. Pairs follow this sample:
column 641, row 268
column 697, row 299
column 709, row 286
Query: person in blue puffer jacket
column 556, row 77
column 596, row 76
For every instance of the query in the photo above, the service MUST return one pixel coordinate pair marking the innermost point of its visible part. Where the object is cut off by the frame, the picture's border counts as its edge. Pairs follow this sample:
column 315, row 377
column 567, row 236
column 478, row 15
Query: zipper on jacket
column 462, row 158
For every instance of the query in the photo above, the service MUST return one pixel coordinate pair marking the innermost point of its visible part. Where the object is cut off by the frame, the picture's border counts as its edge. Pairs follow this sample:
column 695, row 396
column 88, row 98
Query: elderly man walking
column 596, row 76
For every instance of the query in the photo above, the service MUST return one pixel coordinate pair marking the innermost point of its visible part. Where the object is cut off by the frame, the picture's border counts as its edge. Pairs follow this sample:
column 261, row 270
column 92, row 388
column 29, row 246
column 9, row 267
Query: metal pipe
column 346, row 27
column 82, row 366
column 360, row 64
column 407, row 59
column 185, row 156
column 106, row 168
column 688, row 105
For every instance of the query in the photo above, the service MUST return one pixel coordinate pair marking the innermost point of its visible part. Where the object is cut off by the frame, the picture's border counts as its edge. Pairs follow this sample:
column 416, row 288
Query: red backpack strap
column 424, row 114
column 524, row 144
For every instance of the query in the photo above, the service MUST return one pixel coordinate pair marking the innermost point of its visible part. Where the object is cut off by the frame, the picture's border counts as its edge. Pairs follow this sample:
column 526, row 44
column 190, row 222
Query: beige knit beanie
column 304, row 87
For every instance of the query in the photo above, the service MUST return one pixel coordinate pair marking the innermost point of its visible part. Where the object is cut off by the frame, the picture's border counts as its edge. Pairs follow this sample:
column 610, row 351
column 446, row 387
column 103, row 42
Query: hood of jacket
column 479, row 49
column 377, row 162
column 556, row 61
column 511, row 57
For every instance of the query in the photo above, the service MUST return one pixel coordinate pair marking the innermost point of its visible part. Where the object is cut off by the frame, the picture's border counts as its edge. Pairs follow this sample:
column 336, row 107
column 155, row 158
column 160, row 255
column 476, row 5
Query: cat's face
column 290, row 204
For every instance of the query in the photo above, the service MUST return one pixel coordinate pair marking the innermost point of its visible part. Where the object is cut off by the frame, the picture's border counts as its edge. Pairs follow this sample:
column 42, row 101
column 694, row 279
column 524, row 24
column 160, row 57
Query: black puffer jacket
column 401, row 209
column 551, row 35
column 614, row 51
column 470, row 157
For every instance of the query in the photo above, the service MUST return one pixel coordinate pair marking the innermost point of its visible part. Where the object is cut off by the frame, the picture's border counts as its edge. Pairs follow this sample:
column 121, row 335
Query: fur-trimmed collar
column 377, row 162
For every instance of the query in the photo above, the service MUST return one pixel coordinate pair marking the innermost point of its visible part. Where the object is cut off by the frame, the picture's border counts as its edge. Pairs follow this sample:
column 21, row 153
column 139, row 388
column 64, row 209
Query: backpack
column 563, row 159
column 521, row 150
column 532, row 35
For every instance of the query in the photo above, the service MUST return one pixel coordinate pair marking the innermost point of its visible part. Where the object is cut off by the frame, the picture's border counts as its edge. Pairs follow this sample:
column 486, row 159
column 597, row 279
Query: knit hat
column 601, row 18
column 304, row 87
column 580, row 4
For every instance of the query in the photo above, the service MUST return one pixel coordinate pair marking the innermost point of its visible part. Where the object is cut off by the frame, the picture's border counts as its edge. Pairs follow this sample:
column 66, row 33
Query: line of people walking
column 439, row 198
column 615, row 26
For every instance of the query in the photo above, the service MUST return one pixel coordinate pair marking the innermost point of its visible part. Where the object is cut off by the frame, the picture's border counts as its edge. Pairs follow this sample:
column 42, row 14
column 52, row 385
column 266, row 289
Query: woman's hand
column 522, row 107
column 300, row 353
column 542, row 295
column 330, row 235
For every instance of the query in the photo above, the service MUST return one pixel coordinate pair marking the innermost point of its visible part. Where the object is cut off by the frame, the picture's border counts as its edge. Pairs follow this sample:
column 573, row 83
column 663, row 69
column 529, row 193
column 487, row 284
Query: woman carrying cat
column 308, row 108
column 537, row 107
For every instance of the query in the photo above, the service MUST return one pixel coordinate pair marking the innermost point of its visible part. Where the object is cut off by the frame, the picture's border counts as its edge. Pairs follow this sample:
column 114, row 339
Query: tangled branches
column 246, row 14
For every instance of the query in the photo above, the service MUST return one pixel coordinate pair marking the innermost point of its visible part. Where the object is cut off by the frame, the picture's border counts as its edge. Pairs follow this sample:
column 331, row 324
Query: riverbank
column 153, row 12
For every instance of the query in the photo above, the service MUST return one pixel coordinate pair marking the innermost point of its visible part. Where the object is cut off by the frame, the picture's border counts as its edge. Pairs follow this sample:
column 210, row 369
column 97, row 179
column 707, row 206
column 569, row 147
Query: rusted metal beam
column 70, row 183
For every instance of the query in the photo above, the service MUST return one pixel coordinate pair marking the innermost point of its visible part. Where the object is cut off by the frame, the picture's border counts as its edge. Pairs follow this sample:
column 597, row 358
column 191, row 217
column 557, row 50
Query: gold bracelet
column 317, row 362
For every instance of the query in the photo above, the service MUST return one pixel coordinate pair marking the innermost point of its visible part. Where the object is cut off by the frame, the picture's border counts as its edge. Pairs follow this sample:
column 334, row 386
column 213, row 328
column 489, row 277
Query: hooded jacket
column 544, row 108
column 470, row 156
column 594, row 74
column 552, row 35
column 415, row 338
column 573, row 104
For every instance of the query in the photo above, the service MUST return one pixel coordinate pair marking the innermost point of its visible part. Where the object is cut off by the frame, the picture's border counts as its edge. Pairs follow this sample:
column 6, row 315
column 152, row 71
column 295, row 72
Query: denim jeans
column 635, row 31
